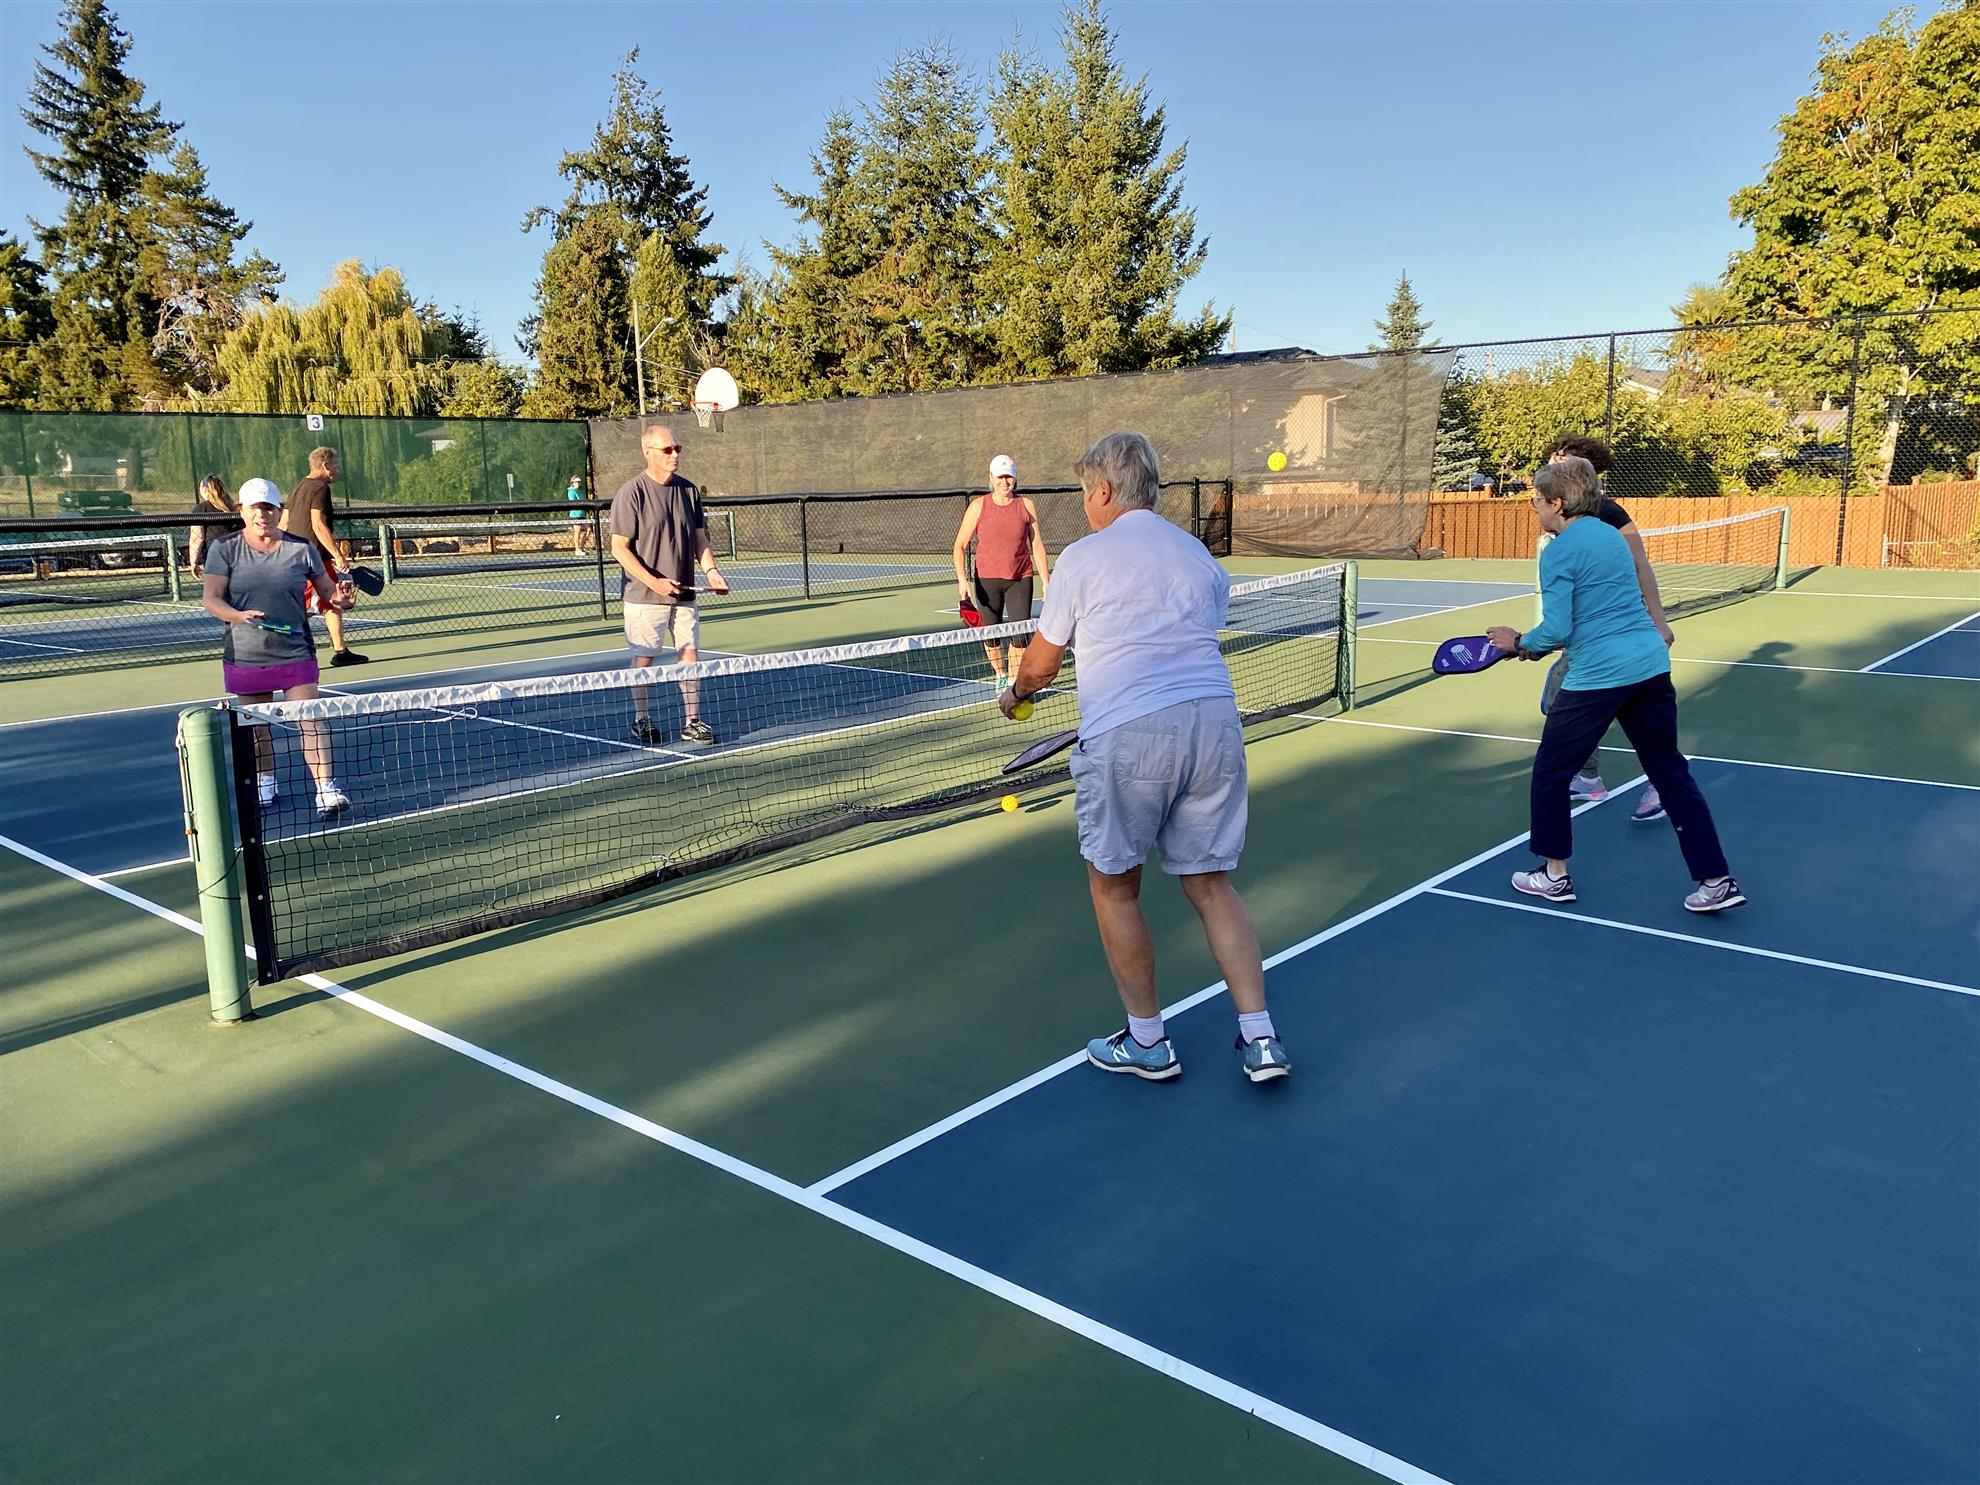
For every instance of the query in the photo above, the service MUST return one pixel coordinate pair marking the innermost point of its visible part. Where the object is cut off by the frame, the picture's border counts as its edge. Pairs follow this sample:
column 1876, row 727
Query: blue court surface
column 1607, row 1192
column 1953, row 653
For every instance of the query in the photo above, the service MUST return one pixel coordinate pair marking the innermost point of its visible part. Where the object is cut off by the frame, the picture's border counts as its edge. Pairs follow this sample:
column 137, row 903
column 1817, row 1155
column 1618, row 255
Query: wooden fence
column 1899, row 526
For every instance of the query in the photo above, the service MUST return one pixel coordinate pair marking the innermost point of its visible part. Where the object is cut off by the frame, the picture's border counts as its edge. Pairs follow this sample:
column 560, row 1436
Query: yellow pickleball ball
column 1275, row 461
column 1021, row 711
column 1010, row 803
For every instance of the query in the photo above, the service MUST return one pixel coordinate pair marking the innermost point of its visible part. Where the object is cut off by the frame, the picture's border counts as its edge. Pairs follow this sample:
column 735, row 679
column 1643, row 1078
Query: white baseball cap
column 1002, row 465
column 260, row 492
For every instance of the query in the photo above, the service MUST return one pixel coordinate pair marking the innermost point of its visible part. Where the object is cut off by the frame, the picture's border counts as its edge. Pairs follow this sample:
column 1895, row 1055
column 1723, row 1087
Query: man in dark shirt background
column 659, row 536
column 310, row 515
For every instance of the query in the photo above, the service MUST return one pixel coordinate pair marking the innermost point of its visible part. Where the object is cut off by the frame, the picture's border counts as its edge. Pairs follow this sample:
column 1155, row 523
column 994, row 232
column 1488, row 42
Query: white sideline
column 1084, row 1326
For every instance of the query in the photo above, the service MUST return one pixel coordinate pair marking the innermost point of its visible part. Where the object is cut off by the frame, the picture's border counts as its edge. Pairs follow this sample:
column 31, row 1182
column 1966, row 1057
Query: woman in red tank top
column 1010, row 551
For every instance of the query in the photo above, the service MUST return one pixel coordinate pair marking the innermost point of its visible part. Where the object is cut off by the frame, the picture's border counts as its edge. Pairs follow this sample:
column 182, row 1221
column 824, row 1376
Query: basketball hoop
column 714, row 394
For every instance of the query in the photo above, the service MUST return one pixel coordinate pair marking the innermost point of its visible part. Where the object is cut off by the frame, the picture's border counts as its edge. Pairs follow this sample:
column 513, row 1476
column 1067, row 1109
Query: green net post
column 385, row 550
column 1350, row 628
column 172, row 589
column 1781, row 560
column 207, row 782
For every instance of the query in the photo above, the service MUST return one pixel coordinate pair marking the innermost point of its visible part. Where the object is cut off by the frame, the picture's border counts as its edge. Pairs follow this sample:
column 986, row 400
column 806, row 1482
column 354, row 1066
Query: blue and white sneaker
column 1264, row 1059
column 1121, row 1053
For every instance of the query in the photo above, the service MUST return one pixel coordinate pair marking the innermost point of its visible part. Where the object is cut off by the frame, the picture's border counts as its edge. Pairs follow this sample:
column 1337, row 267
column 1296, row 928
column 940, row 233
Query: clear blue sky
column 1535, row 168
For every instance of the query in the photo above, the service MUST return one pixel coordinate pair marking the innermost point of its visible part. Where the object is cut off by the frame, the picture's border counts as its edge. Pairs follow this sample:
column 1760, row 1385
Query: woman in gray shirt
column 254, row 583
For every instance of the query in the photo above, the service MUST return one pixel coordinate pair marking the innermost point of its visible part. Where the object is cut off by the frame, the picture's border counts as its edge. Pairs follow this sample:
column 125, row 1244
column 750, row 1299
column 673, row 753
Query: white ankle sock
column 1255, row 1024
column 1146, row 1033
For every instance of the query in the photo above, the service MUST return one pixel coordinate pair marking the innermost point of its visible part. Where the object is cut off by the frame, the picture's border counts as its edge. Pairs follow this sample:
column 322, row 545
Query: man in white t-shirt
column 1160, row 760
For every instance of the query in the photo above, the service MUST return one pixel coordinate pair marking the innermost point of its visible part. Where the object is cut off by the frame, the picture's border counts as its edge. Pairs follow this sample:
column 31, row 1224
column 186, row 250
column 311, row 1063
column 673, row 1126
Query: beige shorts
column 653, row 628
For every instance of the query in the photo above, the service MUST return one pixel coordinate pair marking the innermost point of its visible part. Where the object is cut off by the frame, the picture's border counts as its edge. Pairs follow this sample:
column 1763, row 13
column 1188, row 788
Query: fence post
column 208, row 789
column 1849, row 439
column 598, row 539
column 1196, row 507
column 27, row 468
column 1609, row 412
column 804, row 542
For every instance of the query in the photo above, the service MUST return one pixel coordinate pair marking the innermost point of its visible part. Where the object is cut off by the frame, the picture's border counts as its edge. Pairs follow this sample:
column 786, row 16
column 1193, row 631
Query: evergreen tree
column 1457, row 457
column 187, row 262
column 1093, row 243
column 920, row 189
column 583, row 331
column 103, row 136
column 26, row 320
column 629, row 183
column 361, row 348
column 794, row 333
column 1403, row 327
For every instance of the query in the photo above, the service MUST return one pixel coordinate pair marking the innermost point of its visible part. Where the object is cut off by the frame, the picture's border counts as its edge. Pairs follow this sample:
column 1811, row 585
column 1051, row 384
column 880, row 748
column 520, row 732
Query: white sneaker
column 266, row 790
column 1537, row 883
column 331, row 801
column 1716, row 898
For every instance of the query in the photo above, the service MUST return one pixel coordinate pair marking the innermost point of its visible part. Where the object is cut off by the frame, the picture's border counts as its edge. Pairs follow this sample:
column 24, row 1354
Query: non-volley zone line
column 1053, row 1313
column 1957, row 625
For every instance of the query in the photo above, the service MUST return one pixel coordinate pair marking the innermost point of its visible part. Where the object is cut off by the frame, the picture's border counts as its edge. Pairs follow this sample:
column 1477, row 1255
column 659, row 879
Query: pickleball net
column 1703, row 564
column 478, row 807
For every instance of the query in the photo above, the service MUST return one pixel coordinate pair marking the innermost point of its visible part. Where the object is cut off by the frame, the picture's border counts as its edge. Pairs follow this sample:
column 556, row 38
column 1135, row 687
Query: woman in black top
column 213, row 499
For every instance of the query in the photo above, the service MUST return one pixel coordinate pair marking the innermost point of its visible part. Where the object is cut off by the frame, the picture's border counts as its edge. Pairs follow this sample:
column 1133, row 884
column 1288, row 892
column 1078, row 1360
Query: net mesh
column 476, row 807
column 1702, row 564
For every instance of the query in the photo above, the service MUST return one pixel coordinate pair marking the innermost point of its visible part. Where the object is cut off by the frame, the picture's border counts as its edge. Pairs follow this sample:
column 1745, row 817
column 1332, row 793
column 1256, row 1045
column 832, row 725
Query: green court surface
column 532, row 1206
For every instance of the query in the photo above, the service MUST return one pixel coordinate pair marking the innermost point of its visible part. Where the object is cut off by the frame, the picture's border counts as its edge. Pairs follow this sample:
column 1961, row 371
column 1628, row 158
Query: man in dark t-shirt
column 1588, row 785
column 659, row 537
column 311, row 515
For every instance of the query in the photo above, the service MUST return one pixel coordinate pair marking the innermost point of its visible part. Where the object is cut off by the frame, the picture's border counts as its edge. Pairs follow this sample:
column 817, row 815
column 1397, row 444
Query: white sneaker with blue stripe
column 1121, row 1053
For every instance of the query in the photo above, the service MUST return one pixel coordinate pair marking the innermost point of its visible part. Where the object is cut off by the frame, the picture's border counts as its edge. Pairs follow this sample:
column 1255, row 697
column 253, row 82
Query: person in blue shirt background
column 1618, row 670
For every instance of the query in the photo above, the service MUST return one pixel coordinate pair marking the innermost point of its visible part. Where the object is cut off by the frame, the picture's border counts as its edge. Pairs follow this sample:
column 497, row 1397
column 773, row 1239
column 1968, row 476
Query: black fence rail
column 104, row 592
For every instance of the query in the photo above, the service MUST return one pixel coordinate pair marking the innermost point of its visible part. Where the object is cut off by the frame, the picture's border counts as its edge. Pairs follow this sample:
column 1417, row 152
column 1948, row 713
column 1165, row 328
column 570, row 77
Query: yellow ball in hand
column 1010, row 803
column 1275, row 461
column 1021, row 711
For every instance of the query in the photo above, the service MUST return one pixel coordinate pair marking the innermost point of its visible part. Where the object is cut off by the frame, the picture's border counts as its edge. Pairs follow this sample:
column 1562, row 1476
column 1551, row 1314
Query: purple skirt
column 256, row 680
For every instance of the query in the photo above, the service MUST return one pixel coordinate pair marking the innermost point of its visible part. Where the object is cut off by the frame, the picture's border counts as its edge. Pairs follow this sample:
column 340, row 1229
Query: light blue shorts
column 1173, row 779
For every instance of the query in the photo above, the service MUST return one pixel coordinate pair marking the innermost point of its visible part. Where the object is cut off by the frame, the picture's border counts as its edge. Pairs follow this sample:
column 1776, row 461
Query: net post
column 1350, row 629
column 804, row 542
column 172, row 588
column 208, row 789
column 1781, row 560
column 385, row 553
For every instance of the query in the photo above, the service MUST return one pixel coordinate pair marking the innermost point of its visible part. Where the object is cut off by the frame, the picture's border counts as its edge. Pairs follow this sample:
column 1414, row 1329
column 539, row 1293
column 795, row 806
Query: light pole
column 639, row 349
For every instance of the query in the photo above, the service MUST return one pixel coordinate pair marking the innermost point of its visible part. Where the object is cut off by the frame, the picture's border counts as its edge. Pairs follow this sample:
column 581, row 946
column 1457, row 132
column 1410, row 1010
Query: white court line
column 1919, row 644
column 388, row 683
column 28, row 644
column 1534, row 742
column 1045, row 1074
column 1826, row 593
column 132, row 871
column 1565, row 914
column 1909, row 675
column 1121, row 1344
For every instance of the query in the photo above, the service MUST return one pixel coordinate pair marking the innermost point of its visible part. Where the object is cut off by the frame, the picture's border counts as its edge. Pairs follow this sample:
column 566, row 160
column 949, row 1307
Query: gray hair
column 1573, row 482
column 1127, row 462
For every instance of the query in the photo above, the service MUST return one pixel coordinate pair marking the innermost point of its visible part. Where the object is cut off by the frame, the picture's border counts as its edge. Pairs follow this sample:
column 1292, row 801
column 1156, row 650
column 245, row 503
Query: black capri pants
column 1004, row 601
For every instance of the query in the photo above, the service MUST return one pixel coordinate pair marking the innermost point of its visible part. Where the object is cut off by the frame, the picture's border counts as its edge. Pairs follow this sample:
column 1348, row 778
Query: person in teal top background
column 1619, row 670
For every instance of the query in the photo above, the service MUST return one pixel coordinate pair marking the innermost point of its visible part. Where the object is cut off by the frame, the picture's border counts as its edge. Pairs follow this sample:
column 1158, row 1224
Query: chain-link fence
column 1779, row 409
column 64, row 464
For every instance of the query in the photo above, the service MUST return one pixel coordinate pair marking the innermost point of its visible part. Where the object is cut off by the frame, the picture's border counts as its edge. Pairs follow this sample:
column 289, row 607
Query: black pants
column 1004, row 600
column 1648, row 713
